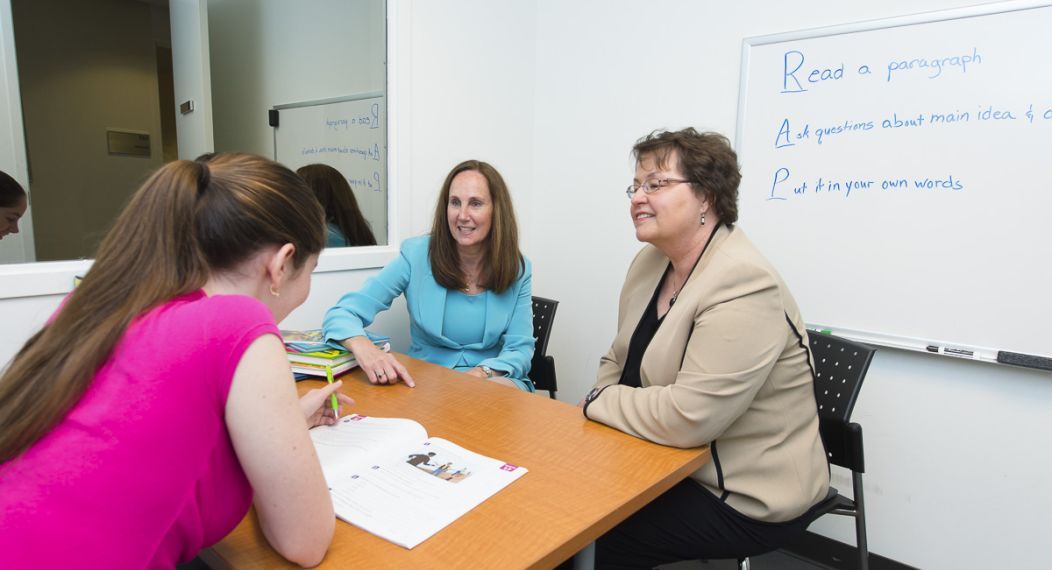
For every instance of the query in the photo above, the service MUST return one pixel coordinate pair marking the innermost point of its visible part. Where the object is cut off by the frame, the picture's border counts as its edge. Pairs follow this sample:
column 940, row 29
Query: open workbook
column 388, row 478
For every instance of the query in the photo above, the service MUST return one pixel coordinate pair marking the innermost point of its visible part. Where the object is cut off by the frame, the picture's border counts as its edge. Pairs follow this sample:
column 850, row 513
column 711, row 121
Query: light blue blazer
column 507, row 341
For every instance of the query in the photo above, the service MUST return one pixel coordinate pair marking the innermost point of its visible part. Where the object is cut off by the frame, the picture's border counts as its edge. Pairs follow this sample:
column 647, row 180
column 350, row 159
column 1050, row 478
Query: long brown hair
column 341, row 207
column 188, row 221
column 11, row 192
column 502, row 262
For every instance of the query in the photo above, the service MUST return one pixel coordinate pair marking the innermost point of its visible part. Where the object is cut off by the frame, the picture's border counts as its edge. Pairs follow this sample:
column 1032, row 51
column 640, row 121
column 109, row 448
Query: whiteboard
column 348, row 134
column 896, row 174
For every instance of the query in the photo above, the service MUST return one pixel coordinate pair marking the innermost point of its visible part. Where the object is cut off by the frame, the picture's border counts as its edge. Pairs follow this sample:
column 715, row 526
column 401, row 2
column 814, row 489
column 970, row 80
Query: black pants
column 688, row 522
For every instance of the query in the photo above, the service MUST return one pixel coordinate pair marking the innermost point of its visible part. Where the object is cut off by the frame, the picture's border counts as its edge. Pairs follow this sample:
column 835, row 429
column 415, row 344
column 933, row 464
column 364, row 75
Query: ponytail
column 166, row 243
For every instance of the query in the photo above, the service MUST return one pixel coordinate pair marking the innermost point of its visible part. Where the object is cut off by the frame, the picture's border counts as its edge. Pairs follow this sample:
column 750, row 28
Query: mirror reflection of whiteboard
column 348, row 134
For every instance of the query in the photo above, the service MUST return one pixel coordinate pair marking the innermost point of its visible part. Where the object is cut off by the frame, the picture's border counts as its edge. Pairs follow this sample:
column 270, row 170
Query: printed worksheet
column 388, row 478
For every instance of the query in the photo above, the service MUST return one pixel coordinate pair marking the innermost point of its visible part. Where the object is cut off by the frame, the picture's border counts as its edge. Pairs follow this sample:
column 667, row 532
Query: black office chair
column 840, row 367
column 542, row 369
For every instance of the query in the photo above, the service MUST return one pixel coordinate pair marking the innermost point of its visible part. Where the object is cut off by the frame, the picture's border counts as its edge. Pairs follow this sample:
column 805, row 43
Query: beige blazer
column 729, row 367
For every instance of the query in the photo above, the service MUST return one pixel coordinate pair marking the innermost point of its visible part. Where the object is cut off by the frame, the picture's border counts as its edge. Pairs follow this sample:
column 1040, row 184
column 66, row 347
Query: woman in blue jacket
column 467, row 288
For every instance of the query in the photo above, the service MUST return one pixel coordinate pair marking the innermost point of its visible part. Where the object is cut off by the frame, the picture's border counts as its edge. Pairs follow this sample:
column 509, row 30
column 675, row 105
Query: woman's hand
column 380, row 367
column 497, row 378
column 476, row 371
column 317, row 404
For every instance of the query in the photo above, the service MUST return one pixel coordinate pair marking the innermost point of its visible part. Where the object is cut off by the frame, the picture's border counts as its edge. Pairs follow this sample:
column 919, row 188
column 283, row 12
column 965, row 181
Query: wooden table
column 583, row 478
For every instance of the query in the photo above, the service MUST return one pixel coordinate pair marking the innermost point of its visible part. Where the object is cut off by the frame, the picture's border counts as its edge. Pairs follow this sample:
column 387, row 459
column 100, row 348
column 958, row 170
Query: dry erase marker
column 335, row 402
column 958, row 352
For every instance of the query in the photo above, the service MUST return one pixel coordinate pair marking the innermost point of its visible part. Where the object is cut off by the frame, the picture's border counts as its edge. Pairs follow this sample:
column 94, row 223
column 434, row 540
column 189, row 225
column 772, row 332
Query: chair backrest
column 542, row 369
column 840, row 367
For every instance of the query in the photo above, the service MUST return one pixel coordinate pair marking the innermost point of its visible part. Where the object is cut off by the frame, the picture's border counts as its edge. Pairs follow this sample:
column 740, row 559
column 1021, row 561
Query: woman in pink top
column 142, row 421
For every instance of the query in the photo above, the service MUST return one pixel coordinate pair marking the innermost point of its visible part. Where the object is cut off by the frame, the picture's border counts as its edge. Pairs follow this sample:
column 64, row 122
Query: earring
column 703, row 218
column 274, row 291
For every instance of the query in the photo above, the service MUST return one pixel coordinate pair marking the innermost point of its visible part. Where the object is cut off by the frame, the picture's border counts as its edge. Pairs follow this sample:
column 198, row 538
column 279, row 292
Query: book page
column 361, row 439
column 423, row 489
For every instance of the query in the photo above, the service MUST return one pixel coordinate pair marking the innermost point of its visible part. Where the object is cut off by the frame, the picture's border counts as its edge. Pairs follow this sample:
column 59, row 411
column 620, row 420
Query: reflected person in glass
column 467, row 288
column 13, row 204
column 346, row 225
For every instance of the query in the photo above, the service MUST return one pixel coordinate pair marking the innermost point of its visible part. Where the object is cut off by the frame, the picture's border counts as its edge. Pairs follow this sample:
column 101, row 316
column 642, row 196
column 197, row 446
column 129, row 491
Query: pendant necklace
column 675, row 292
column 468, row 283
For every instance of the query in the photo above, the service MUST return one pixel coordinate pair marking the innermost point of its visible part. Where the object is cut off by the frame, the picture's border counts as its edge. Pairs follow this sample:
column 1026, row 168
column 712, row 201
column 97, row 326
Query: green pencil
column 335, row 402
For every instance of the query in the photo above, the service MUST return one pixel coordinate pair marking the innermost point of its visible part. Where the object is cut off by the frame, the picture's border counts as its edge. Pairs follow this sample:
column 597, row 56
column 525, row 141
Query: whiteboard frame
column 316, row 102
column 980, row 353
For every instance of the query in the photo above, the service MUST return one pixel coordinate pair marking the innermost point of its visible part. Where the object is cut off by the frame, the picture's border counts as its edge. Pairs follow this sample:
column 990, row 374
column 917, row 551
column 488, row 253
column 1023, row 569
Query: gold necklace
column 470, row 282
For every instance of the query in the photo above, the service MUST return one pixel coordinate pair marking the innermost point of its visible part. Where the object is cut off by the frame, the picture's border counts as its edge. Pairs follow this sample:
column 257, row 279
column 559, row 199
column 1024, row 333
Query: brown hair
column 706, row 159
column 11, row 192
column 502, row 260
column 188, row 221
column 341, row 207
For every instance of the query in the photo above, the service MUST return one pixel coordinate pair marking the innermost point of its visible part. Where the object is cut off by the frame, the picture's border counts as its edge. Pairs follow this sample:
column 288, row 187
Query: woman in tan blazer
column 710, row 349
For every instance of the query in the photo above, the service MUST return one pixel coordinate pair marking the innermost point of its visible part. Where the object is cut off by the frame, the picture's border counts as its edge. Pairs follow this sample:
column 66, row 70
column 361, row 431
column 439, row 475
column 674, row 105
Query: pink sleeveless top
column 141, row 473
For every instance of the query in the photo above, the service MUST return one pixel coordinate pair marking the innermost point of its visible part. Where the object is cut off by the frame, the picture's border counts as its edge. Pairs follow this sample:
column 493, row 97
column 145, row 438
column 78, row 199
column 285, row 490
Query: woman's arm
column 498, row 378
column 345, row 323
column 731, row 352
column 269, row 433
column 357, row 309
column 517, row 342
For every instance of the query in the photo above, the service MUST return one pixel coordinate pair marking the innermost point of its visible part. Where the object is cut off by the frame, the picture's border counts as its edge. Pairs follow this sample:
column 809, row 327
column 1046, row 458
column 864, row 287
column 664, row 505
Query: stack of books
column 305, row 341
column 310, row 355
column 315, row 363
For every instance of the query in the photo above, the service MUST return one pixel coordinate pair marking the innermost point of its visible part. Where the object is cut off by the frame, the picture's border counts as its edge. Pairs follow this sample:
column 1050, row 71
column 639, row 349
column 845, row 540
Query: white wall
column 472, row 96
column 554, row 93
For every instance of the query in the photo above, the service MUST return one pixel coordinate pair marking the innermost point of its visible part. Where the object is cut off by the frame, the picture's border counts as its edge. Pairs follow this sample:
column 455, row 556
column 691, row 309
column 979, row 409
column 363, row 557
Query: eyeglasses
column 651, row 186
